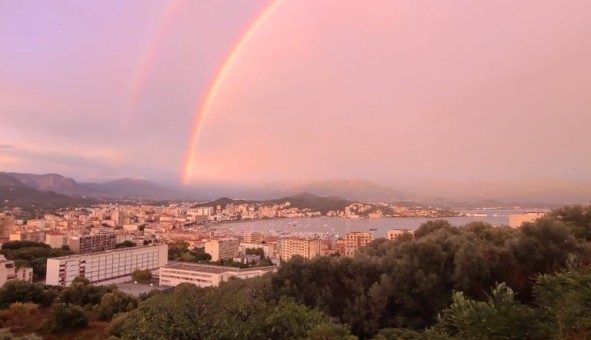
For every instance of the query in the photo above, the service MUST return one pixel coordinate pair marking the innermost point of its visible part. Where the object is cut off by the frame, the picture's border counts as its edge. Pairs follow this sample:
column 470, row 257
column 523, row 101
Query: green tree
column 114, row 303
column 20, row 291
column 66, row 317
column 142, row 276
column 501, row 317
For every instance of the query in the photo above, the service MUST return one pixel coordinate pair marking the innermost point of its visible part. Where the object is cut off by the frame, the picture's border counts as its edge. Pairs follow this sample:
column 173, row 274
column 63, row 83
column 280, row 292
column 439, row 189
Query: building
column 307, row 248
column 202, row 275
column 111, row 266
column 356, row 240
column 267, row 248
column 252, row 237
column 393, row 234
column 55, row 239
column 222, row 249
column 8, row 271
column 515, row 221
column 32, row 235
column 7, row 225
column 92, row 243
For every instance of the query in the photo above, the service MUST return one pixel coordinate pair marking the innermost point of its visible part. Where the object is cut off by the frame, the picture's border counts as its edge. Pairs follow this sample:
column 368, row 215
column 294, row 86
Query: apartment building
column 105, row 267
column 355, row 240
column 222, row 249
column 8, row 271
column 92, row 243
column 55, row 239
column 202, row 275
column 28, row 235
column 307, row 248
column 393, row 234
column 7, row 225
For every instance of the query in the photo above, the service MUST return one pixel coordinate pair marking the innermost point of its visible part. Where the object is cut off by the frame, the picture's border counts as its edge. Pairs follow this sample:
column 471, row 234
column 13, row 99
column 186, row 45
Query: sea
column 338, row 226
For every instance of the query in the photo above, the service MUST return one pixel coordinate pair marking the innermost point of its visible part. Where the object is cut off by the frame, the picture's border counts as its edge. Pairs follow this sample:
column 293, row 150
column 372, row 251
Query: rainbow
column 141, row 71
column 204, row 107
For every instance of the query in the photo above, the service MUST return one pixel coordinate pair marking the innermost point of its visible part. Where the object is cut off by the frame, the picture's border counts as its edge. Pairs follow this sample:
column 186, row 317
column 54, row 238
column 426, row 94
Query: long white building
column 105, row 267
column 206, row 275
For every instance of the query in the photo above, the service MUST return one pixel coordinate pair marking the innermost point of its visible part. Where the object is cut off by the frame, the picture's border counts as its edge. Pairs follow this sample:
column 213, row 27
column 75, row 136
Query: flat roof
column 196, row 267
column 111, row 251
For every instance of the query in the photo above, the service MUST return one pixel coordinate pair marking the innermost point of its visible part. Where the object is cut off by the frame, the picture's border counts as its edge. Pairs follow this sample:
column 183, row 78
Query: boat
column 373, row 229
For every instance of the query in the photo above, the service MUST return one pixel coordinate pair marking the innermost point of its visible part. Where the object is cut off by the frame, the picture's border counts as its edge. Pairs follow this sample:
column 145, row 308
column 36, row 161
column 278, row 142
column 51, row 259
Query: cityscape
column 282, row 169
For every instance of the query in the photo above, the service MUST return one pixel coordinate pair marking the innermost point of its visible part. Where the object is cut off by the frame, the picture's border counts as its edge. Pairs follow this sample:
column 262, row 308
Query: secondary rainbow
column 204, row 108
column 141, row 71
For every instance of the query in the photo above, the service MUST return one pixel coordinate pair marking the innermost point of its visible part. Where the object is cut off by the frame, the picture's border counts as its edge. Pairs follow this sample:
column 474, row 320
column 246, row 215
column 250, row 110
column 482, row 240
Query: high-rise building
column 7, row 225
column 356, row 240
column 105, row 267
column 222, row 249
column 92, row 243
column 307, row 248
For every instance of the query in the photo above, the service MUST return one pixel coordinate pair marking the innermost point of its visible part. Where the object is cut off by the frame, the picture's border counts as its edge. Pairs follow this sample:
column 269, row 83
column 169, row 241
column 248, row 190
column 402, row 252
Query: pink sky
column 396, row 92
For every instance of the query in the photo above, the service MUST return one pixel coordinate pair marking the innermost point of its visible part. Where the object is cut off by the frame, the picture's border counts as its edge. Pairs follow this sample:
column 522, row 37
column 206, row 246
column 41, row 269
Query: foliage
column 114, row 303
column 31, row 254
column 83, row 294
column 405, row 283
column 19, row 291
column 238, row 309
column 501, row 317
column 142, row 276
column 66, row 317
column 255, row 251
column 125, row 244
column 564, row 303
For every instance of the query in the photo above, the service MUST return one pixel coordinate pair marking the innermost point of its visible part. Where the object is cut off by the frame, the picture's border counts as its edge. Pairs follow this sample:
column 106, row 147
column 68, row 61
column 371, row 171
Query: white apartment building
column 202, row 275
column 224, row 248
column 55, row 239
column 105, row 267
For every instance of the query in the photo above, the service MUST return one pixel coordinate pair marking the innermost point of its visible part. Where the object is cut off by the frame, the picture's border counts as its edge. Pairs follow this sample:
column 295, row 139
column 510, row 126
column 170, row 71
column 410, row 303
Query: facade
column 393, row 234
column 222, row 249
column 105, row 267
column 92, row 243
column 307, row 248
column 206, row 275
column 8, row 271
column 55, row 239
column 35, row 236
column 7, row 225
column 516, row 220
column 356, row 240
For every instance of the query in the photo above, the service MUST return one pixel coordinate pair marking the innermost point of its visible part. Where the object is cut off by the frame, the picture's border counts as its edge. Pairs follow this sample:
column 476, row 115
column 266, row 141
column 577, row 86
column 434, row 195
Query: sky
column 396, row 92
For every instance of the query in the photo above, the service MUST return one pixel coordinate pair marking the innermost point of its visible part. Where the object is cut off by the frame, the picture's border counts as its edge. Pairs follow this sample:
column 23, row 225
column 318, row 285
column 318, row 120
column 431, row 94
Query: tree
column 66, row 317
column 82, row 293
column 142, row 276
column 501, row 317
column 20, row 291
column 126, row 244
column 114, row 303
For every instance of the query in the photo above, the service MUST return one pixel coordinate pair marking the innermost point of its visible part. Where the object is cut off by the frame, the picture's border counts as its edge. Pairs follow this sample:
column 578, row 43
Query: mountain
column 14, row 193
column 125, row 187
column 53, row 182
column 352, row 189
column 130, row 187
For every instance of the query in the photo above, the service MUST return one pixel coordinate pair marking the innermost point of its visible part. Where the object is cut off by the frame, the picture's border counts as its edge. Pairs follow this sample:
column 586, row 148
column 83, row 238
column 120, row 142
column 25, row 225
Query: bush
column 66, row 317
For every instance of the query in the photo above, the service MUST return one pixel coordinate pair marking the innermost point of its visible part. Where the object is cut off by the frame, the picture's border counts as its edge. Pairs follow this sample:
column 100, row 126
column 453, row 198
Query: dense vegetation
column 32, row 254
column 446, row 282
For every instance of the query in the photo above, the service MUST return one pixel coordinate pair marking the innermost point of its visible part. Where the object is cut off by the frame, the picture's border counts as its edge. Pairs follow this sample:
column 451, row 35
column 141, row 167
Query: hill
column 14, row 193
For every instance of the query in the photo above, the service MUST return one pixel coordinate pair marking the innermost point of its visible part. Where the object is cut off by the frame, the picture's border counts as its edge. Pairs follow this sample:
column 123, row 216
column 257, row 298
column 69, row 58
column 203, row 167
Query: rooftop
column 204, row 268
column 112, row 251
